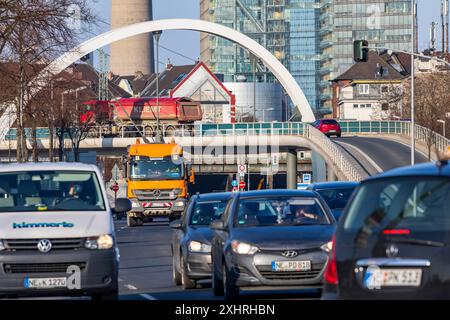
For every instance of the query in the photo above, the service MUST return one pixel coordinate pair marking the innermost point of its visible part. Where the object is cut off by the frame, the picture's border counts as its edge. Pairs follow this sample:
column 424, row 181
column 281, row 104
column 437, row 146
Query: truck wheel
column 139, row 222
column 131, row 221
column 170, row 131
column 176, row 275
column 186, row 282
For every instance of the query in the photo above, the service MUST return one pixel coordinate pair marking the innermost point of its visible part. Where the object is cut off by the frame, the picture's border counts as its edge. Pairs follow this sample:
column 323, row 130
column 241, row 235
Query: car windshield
column 145, row 168
column 337, row 198
column 50, row 191
column 418, row 206
column 280, row 212
column 205, row 212
column 329, row 122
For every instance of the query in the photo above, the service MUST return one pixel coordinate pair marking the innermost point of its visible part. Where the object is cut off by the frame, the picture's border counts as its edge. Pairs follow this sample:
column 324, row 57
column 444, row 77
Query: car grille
column 267, row 273
column 299, row 251
column 31, row 244
column 41, row 267
column 150, row 194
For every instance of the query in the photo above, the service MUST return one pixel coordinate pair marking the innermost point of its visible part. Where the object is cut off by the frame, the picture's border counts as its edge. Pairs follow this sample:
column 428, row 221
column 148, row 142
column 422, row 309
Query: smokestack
column 136, row 53
column 445, row 26
column 433, row 36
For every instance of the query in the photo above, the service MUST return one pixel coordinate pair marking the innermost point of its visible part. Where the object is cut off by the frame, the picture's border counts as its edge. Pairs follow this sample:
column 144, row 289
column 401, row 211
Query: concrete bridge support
column 291, row 169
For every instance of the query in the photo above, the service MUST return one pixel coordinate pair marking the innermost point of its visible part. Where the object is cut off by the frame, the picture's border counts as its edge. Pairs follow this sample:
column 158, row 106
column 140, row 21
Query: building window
column 364, row 89
column 385, row 89
column 355, row 106
column 385, row 106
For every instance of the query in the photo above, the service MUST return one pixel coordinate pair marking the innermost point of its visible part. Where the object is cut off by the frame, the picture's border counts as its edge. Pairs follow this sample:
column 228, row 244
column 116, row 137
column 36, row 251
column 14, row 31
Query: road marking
column 120, row 280
column 373, row 163
column 409, row 146
column 147, row 296
column 130, row 287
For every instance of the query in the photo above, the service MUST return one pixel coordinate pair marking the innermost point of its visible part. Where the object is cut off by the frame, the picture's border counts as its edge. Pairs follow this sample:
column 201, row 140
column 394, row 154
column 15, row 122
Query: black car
column 271, row 239
column 393, row 240
column 191, row 241
column 336, row 194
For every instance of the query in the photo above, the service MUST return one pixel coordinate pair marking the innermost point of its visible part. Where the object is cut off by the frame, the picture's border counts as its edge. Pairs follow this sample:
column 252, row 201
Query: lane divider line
column 369, row 159
column 147, row 296
column 130, row 287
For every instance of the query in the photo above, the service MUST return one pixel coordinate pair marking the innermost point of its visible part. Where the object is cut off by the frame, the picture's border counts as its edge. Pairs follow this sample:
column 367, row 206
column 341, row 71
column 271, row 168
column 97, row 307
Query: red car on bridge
column 328, row 127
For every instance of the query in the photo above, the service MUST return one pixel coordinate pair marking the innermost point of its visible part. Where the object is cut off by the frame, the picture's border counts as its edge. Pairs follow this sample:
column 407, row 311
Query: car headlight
column 135, row 204
column 195, row 246
column 243, row 248
column 179, row 204
column 2, row 245
column 327, row 247
column 102, row 242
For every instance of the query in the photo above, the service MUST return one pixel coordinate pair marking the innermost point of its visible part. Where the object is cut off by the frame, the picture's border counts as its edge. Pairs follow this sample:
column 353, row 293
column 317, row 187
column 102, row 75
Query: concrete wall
column 136, row 53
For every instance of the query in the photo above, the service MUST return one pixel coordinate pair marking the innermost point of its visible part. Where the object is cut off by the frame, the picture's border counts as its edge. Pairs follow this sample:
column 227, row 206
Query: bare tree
column 432, row 98
column 33, row 32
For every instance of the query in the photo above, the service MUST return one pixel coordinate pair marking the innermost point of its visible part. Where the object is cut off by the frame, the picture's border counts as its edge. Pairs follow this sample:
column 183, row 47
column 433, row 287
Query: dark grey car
column 273, row 239
column 191, row 241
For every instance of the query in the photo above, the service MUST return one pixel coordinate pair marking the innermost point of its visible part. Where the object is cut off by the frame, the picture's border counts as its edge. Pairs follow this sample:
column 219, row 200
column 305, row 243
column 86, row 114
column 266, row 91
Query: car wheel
column 131, row 221
column 186, row 282
column 338, row 135
column 217, row 284
column 113, row 295
column 231, row 291
column 176, row 275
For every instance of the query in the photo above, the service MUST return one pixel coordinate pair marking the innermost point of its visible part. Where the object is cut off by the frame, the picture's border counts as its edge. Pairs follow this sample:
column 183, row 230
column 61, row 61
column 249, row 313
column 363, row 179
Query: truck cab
column 158, row 179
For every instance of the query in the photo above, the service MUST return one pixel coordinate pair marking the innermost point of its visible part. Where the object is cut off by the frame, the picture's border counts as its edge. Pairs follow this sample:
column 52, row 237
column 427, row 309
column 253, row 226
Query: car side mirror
column 218, row 225
column 122, row 205
column 177, row 225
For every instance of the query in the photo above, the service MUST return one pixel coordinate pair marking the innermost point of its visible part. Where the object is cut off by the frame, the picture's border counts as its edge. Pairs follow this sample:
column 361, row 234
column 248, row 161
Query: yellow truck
column 158, row 178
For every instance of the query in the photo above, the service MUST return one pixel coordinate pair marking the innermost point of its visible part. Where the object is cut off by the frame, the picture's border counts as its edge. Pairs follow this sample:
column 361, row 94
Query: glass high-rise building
column 312, row 38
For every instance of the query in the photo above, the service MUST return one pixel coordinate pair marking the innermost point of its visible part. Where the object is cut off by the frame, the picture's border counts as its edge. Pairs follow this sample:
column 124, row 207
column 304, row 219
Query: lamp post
column 443, row 126
column 157, row 36
column 413, row 118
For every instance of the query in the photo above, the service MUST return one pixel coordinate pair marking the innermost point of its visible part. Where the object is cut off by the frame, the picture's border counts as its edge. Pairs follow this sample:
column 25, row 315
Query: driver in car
column 306, row 214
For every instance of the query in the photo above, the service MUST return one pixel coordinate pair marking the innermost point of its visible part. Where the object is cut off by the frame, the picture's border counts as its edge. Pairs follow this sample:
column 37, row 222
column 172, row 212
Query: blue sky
column 188, row 43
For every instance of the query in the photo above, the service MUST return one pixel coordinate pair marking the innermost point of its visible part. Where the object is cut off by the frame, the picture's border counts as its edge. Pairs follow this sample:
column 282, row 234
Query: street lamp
column 443, row 126
column 157, row 36
column 413, row 119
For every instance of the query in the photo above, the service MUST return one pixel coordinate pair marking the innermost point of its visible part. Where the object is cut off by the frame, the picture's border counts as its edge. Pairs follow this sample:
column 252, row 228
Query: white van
column 56, row 231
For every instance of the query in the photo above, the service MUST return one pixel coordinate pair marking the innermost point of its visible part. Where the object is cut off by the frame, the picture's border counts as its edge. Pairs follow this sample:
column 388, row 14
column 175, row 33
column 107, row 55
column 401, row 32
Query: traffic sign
column 242, row 185
column 234, row 183
column 242, row 169
column 275, row 160
column 307, row 178
column 115, row 188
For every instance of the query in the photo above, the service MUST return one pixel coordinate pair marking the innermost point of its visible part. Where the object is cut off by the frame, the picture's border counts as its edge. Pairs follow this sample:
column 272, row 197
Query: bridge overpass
column 365, row 149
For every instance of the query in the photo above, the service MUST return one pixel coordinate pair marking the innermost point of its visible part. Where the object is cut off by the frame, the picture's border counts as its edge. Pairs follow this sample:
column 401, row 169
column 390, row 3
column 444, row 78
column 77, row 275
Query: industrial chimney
column 445, row 26
column 136, row 53
column 433, row 36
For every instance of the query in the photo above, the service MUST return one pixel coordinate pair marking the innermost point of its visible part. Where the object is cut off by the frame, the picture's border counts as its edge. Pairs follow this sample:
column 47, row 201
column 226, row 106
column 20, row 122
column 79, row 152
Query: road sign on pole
column 234, row 183
column 242, row 169
column 242, row 185
column 307, row 178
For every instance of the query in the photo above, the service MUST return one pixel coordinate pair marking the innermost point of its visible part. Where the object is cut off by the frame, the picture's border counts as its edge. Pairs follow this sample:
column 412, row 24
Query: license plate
column 332, row 131
column 44, row 283
column 291, row 265
column 378, row 278
column 158, row 205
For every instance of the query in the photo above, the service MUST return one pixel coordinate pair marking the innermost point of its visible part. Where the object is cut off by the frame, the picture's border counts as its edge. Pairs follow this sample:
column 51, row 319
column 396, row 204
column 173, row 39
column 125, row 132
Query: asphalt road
column 146, row 269
column 384, row 154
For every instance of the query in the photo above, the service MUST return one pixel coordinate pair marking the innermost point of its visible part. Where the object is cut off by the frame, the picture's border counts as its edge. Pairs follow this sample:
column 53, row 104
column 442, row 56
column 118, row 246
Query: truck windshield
column 145, row 168
column 50, row 191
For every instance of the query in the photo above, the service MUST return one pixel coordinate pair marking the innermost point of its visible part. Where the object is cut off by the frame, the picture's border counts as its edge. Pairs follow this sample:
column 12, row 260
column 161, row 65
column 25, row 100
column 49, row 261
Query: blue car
column 336, row 194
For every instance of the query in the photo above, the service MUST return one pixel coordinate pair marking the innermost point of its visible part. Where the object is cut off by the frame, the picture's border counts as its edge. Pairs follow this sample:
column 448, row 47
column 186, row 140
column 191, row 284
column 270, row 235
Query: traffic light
column 361, row 51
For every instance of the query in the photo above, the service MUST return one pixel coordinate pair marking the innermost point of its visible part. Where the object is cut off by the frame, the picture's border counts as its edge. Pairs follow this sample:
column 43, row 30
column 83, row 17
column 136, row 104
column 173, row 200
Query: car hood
column 30, row 225
column 201, row 234
column 273, row 238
